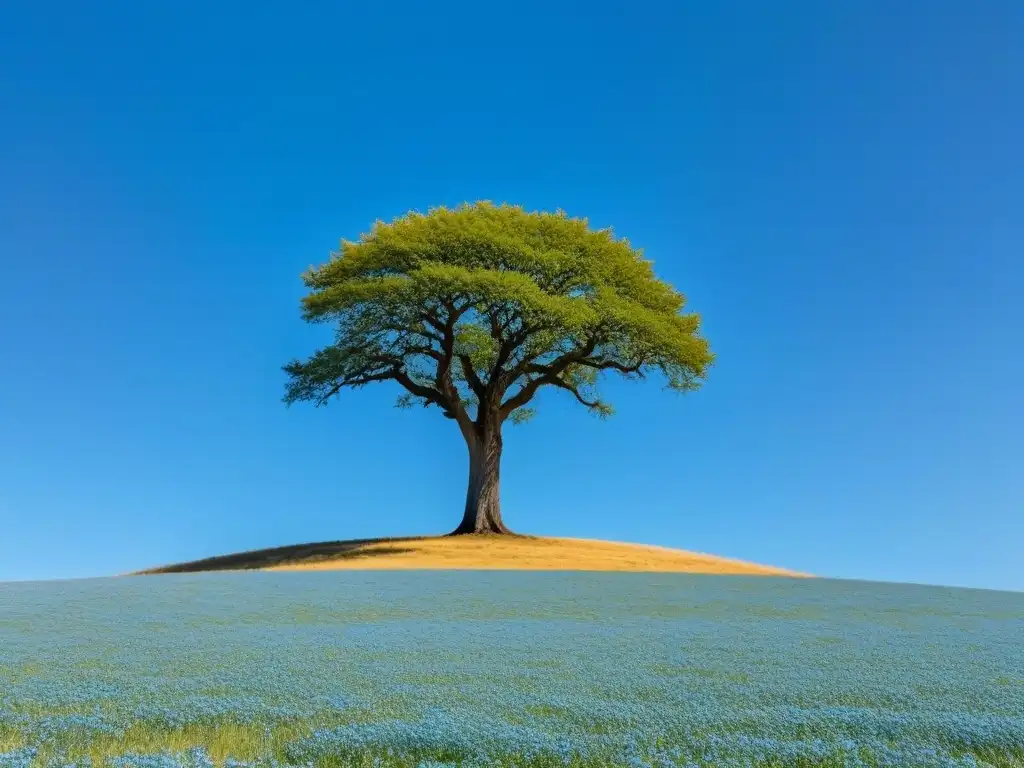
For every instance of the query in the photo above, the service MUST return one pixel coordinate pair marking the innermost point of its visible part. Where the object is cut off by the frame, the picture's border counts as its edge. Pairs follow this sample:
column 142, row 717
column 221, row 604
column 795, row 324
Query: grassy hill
column 477, row 552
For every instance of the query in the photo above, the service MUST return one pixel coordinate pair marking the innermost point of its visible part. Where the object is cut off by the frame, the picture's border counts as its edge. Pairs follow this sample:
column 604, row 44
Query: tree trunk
column 483, row 507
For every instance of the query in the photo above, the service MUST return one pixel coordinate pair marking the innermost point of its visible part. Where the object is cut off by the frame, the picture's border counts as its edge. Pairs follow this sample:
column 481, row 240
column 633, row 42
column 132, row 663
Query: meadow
column 446, row 668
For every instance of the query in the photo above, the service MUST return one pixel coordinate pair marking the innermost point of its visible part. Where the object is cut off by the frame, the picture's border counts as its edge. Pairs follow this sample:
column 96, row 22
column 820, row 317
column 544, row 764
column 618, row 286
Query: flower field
column 497, row 668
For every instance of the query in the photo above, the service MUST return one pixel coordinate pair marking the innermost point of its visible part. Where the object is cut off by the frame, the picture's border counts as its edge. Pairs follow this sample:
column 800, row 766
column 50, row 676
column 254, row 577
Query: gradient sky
column 838, row 187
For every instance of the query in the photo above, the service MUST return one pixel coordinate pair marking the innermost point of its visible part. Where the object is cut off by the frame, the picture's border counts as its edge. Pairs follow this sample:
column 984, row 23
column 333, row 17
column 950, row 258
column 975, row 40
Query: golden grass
column 478, row 552
column 530, row 554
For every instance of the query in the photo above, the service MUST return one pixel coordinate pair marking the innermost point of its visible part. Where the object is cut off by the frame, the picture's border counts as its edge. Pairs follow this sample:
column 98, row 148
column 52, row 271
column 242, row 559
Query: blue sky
column 837, row 187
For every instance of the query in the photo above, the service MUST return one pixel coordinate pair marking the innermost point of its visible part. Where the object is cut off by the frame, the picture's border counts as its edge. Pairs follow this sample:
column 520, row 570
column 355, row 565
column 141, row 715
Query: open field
column 479, row 552
column 416, row 668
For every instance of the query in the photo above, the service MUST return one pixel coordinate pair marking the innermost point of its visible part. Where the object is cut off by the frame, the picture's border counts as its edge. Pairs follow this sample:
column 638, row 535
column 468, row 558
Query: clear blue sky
column 837, row 186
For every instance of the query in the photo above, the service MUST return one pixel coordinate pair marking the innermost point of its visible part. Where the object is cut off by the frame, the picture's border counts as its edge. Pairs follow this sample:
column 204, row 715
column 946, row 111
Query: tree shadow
column 351, row 549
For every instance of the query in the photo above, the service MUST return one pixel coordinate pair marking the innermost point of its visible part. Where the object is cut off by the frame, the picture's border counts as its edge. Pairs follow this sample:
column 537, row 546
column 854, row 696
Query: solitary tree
column 473, row 310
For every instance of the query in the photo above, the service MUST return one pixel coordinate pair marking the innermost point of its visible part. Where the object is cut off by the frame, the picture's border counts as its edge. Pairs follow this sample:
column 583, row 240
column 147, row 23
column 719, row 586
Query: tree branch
column 472, row 378
column 429, row 394
column 508, row 346
column 553, row 369
column 356, row 381
column 563, row 384
column 426, row 351
column 433, row 320
column 605, row 365
column 442, row 377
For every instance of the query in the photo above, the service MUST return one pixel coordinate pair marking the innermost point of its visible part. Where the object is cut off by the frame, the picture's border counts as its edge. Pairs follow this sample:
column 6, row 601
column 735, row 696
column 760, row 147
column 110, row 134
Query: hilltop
column 486, row 552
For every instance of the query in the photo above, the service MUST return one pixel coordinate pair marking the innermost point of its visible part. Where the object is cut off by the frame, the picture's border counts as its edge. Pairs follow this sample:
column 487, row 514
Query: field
column 415, row 668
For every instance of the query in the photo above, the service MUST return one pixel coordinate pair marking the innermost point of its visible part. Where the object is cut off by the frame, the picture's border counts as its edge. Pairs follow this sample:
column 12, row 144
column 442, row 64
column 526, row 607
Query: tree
column 473, row 310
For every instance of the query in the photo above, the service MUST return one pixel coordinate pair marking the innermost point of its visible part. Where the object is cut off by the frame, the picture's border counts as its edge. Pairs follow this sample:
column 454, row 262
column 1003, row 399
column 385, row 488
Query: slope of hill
column 477, row 552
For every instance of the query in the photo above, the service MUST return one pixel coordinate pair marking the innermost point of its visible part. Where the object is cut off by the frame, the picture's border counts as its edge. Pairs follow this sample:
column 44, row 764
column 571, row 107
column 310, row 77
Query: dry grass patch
column 479, row 552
